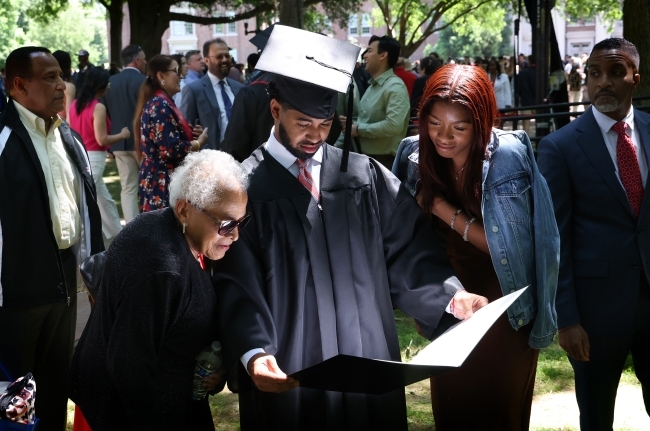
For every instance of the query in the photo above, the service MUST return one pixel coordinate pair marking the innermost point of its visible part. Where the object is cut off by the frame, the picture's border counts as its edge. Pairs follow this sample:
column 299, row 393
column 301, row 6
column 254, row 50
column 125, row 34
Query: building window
column 353, row 25
column 365, row 24
column 219, row 28
column 181, row 29
column 232, row 26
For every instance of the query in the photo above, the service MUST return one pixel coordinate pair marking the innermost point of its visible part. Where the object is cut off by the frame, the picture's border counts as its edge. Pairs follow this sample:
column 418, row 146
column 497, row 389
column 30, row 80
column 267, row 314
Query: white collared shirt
column 290, row 162
column 61, row 179
column 611, row 137
column 222, row 109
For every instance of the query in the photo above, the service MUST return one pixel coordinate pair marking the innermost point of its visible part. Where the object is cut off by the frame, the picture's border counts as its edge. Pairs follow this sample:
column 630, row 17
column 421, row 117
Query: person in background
column 500, row 84
column 384, row 108
column 182, row 61
column 527, row 93
column 575, row 87
column 251, row 73
column 84, row 65
column 428, row 65
column 3, row 90
column 209, row 100
column 522, row 62
column 157, row 309
column 113, row 70
column 120, row 102
column 195, row 66
column 597, row 170
column 65, row 62
column 89, row 118
column 163, row 136
column 495, row 211
column 405, row 74
column 49, row 222
column 236, row 72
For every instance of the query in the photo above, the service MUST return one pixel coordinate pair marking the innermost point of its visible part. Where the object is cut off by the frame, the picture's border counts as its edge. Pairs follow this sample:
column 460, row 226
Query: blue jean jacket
column 519, row 223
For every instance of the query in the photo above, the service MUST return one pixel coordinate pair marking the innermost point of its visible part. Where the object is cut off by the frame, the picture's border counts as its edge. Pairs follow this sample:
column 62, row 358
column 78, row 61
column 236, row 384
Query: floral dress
column 164, row 143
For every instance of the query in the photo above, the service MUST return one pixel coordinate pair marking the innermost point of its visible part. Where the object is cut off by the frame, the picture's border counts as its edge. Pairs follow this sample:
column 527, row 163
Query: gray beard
column 606, row 107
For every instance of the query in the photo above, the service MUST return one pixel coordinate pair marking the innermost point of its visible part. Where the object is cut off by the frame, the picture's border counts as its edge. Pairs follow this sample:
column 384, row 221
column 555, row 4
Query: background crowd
column 496, row 222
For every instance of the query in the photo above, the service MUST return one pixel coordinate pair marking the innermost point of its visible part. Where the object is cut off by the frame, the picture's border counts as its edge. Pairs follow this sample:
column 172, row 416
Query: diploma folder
column 345, row 373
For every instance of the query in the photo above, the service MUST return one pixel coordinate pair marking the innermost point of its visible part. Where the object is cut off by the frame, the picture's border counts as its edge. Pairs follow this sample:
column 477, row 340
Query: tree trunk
column 149, row 19
column 291, row 13
column 636, row 16
column 116, row 19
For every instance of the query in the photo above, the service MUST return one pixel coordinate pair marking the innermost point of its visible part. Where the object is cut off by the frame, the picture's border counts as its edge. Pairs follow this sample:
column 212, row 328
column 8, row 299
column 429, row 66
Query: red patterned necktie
column 628, row 167
column 306, row 179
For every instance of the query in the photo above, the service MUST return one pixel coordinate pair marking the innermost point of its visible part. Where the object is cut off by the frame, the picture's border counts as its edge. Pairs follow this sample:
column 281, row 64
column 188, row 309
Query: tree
column 484, row 33
column 411, row 22
column 77, row 26
column 636, row 16
column 12, row 26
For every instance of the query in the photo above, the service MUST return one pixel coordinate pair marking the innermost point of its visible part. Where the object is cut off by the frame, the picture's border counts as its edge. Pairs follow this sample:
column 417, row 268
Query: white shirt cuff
column 248, row 355
column 449, row 307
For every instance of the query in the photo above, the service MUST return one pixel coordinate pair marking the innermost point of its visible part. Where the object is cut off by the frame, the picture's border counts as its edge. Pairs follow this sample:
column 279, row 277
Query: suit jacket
column 200, row 102
column 120, row 102
column 30, row 266
column 603, row 247
column 251, row 120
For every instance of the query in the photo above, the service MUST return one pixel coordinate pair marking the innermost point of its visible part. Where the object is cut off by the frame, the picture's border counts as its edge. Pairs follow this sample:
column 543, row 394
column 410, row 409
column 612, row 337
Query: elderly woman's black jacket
column 155, row 312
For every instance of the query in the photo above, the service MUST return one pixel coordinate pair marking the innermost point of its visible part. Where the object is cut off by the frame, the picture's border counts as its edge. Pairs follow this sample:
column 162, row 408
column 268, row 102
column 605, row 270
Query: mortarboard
column 262, row 37
column 311, row 69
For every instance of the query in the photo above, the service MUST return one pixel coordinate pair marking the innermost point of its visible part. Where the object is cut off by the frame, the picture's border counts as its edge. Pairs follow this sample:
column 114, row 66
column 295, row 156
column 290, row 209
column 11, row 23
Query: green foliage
column 609, row 10
column 485, row 33
column 78, row 27
column 12, row 34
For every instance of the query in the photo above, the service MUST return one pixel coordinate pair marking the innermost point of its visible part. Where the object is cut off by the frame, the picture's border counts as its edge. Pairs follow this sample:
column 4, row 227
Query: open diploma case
column 344, row 373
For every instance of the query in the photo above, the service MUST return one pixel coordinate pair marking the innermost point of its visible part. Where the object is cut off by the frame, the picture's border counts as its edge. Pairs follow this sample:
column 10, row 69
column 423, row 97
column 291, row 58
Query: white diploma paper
column 454, row 346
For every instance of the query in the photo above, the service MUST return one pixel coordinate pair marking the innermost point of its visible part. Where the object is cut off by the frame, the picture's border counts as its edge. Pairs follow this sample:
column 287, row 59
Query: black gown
column 305, row 285
column 155, row 311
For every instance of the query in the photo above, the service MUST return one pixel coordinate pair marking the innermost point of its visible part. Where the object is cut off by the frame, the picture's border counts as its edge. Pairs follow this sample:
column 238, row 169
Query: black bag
column 91, row 270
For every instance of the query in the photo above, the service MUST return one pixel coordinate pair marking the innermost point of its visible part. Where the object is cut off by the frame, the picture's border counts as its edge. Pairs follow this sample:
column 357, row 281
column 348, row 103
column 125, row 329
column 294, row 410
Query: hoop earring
column 184, row 226
column 162, row 82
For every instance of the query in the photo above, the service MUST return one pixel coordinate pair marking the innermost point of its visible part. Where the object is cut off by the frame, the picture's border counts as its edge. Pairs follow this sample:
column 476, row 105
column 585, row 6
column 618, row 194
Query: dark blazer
column 31, row 266
column 200, row 102
column 120, row 102
column 251, row 120
column 603, row 247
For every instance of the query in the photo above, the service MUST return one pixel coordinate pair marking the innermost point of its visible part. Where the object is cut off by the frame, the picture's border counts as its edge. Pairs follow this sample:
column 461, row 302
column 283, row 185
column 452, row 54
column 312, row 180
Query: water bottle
column 207, row 362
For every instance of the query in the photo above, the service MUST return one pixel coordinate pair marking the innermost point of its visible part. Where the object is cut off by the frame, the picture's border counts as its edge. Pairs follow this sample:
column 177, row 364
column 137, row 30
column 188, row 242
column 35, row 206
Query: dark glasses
column 227, row 226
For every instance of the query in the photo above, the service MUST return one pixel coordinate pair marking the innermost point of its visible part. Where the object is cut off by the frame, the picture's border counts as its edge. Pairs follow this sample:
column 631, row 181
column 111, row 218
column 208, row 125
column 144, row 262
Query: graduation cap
column 311, row 69
column 262, row 37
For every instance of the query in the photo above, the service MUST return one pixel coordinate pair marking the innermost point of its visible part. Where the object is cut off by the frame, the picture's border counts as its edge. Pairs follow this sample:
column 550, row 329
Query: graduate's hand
column 343, row 119
column 575, row 342
column 267, row 376
column 465, row 304
column 213, row 379
column 355, row 130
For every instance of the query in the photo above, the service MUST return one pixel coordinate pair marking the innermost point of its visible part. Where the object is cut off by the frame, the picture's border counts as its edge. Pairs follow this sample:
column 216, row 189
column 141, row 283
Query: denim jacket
column 519, row 223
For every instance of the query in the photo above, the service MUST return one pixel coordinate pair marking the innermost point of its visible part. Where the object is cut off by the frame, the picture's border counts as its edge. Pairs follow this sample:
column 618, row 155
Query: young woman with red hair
column 495, row 211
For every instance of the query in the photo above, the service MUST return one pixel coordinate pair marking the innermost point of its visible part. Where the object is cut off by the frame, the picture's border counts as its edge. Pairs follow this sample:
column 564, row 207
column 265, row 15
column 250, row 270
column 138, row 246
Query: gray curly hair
column 204, row 176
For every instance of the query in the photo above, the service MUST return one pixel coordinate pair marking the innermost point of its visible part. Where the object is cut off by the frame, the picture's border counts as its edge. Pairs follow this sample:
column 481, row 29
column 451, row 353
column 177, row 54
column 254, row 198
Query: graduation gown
column 306, row 284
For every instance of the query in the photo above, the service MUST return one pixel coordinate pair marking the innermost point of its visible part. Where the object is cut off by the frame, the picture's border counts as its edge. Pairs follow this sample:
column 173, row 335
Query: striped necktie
column 306, row 179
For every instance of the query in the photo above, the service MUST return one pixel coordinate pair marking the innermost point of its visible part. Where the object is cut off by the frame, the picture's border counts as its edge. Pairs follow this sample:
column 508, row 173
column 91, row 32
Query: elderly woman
column 155, row 310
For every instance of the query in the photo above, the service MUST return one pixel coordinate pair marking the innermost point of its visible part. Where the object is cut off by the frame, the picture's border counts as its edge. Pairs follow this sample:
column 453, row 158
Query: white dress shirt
column 611, row 137
column 222, row 109
column 61, row 179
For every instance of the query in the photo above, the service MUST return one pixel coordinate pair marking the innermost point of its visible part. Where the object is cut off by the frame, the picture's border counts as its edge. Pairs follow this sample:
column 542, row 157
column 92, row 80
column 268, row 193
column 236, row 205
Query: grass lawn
column 554, row 373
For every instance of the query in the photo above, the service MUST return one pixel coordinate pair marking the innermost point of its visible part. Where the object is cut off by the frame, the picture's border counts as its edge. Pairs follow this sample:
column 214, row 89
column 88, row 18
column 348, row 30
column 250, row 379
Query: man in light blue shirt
column 195, row 66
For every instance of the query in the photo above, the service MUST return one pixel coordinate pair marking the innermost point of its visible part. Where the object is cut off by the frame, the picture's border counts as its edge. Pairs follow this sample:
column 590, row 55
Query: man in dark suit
column 49, row 222
column 209, row 100
column 596, row 168
column 120, row 102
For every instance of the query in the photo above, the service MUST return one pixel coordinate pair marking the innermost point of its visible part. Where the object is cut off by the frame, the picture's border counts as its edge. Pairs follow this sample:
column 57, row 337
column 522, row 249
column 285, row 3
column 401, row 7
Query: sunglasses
column 227, row 226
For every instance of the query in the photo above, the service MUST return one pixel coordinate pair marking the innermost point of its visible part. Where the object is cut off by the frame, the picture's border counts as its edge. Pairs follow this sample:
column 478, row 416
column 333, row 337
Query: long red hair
column 470, row 87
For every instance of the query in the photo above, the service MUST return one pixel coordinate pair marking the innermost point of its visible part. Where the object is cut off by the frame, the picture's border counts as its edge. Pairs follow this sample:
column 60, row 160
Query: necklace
column 458, row 172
